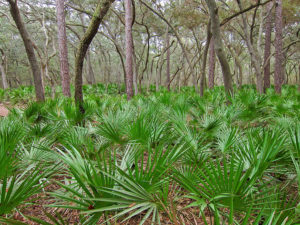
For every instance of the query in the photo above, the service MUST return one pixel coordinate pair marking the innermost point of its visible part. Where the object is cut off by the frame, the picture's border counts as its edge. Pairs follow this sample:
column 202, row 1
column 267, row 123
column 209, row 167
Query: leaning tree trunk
column 267, row 53
column 216, row 33
column 37, row 77
column 100, row 11
column 129, row 49
column 90, row 76
column 212, row 65
column 63, row 49
column 278, row 72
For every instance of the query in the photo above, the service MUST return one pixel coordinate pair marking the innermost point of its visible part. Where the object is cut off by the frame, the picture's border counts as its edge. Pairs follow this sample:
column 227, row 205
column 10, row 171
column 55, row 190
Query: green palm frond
column 16, row 189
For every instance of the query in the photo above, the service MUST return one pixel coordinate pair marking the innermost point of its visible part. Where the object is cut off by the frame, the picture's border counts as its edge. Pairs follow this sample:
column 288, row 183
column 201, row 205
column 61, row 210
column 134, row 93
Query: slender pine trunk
column 63, row 49
column 129, row 49
column 278, row 72
column 168, row 59
column 212, row 65
column 267, row 52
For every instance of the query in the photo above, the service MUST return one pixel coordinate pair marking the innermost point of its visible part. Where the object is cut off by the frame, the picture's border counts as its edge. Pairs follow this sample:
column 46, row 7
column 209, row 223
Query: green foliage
column 156, row 157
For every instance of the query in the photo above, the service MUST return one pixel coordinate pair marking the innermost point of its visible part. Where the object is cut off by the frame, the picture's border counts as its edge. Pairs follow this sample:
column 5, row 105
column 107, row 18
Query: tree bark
column 90, row 72
column 135, row 75
column 215, row 29
column 267, row 52
column 203, row 68
column 2, row 70
column 278, row 72
column 100, row 11
column 3, row 76
column 90, row 76
column 235, row 54
column 299, row 78
column 37, row 77
column 240, row 73
column 212, row 65
column 168, row 59
column 129, row 49
column 63, row 49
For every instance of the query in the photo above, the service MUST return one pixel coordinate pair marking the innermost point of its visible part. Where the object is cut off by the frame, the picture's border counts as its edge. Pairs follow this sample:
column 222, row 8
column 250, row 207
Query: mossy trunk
column 100, row 11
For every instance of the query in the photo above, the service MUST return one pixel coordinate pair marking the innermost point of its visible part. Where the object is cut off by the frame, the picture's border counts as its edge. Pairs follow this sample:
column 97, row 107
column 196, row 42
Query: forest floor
column 37, row 209
column 3, row 110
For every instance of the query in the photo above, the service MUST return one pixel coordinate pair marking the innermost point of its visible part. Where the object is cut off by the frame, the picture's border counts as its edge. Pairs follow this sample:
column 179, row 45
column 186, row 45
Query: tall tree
column 129, row 49
column 63, row 49
column 100, row 11
column 267, row 52
column 278, row 72
column 37, row 77
column 212, row 65
column 216, row 33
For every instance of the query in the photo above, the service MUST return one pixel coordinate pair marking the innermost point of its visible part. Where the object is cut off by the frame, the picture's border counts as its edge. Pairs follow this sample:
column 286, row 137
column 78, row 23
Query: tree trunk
column 2, row 70
column 278, row 72
column 299, row 78
column 135, row 75
column 203, row 69
column 215, row 29
column 90, row 76
column 235, row 54
column 267, row 52
column 240, row 74
column 90, row 72
column 100, row 12
column 147, row 58
column 168, row 59
column 38, row 82
column 255, row 58
column 129, row 49
column 3, row 76
column 157, row 75
column 63, row 49
column 212, row 65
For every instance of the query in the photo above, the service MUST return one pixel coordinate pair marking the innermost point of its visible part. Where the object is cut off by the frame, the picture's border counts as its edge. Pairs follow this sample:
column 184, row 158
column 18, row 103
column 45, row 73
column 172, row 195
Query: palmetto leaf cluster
column 166, row 155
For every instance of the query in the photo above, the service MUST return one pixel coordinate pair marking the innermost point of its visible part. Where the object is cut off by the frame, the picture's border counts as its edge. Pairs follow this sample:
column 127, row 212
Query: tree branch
column 226, row 20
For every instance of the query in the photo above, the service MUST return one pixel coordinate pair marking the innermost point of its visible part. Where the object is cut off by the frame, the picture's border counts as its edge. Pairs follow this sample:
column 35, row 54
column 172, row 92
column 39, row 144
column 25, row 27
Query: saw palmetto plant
column 171, row 157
